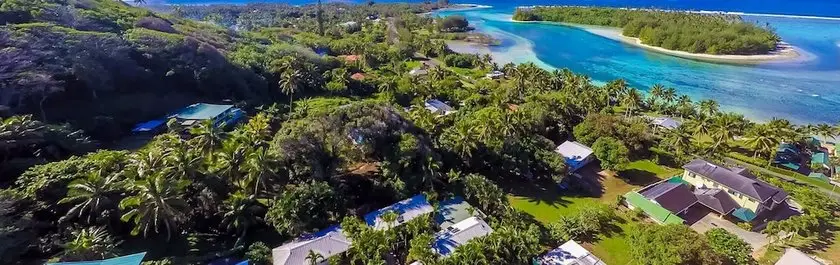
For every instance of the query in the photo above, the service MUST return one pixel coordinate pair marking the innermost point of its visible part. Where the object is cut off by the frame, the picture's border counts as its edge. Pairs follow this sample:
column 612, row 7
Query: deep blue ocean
column 805, row 92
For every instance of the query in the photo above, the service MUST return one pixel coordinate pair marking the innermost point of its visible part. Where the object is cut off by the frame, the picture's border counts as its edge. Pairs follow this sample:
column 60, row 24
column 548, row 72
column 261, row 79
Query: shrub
column 259, row 253
column 155, row 23
column 454, row 23
column 460, row 60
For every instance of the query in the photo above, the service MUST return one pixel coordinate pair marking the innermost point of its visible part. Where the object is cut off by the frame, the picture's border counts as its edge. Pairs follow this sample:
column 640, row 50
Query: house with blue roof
column 577, row 155
column 406, row 210
column 221, row 115
column 133, row 259
column 820, row 159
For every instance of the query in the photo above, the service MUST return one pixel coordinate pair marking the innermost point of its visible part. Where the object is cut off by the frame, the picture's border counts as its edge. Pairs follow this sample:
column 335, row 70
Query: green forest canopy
column 683, row 31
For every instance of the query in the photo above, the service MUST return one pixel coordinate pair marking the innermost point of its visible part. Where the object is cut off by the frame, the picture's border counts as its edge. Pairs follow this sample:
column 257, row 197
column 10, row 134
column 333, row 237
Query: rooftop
column 793, row 256
column 819, row 158
column 676, row 197
column 570, row 253
column 655, row 211
column 749, row 186
column 437, row 106
column 452, row 211
column 458, row 234
column 202, row 111
column 327, row 242
column 716, row 200
column 666, row 122
column 406, row 210
column 574, row 152
column 133, row 259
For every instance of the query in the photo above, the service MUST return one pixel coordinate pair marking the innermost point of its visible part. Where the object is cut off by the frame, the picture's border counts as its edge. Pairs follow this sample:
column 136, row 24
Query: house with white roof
column 406, row 210
column 438, row 107
column 458, row 234
column 577, row 155
column 793, row 256
column 666, row 123
column 570, row 253
column 328, row 242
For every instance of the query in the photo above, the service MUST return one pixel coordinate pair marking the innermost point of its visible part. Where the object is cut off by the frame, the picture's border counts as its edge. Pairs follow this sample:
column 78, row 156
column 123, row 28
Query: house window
column 731, row 191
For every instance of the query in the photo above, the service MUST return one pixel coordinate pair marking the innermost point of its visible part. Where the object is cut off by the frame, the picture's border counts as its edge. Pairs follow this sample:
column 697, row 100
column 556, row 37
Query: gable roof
column 753, row 188
column 406, row 210
column 458, row 234
column 666, row 122
column 793, row 256
column 574, row 152
column 676, row 197
column 435, row 105
column 452, row 211
column 327, row 242
column 133, row 259
column 655, row 211
column 568, row 254
column 202, row 111
column 716, row 200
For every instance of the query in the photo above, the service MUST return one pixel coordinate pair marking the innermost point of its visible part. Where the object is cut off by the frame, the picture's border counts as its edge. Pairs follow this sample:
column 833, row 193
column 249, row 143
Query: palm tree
column 259, row 165
column 702, row 125
column 656, row 92
column 462, row 139
column 680, row 139
column 92, row 243
column 206, row 137
column 241, row 213
column 388, row 84
column 762, row 140
column 157, row 204
column 825, row 131
column 289, row 84
column 725, row 128
column 632, row 100
column 709, row 107
column 320, row 18
column 93, row 197
column 314, row 257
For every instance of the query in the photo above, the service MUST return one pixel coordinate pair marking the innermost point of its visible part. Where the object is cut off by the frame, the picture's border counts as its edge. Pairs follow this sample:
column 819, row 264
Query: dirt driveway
column 706, row 223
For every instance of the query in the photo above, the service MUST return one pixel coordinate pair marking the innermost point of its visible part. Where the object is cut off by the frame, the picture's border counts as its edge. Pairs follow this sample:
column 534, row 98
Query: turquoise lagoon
column 804, row 92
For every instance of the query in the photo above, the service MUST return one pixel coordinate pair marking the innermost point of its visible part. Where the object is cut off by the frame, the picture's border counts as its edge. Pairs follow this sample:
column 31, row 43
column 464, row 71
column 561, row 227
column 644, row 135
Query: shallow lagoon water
column 805, row 92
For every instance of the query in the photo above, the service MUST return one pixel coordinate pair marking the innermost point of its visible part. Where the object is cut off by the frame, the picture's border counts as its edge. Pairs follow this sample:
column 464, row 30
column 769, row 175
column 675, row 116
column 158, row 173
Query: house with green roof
column 820, row 176
column 634, row 200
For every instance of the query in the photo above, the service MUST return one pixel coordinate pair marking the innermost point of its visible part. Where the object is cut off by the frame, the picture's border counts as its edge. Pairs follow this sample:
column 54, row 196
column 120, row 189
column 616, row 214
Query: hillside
column 672, row 30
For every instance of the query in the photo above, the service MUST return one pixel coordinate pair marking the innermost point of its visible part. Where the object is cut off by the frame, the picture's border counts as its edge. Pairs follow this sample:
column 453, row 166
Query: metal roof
column 676, row 197
column 202, row 111
column 655, row 211
column 754, row 188
column 458, row 234
column 406, row 210
column 716, row 200
column 327, row 242
column 452, row 211
column 570, row 253
column 666, row 122
column 793, row 256
column 574, row 152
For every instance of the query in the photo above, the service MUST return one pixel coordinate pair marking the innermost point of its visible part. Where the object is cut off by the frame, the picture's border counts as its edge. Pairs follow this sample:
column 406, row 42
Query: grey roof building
column 328, row 242
column 676, row 197
column 793, row 256
column 716, row 200
column 743, row 183
column 458, row 234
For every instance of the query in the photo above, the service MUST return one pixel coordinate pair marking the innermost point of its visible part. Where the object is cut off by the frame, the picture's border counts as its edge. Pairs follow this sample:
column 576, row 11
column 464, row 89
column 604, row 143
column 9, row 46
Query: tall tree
column 156, row 205
column 93, row 197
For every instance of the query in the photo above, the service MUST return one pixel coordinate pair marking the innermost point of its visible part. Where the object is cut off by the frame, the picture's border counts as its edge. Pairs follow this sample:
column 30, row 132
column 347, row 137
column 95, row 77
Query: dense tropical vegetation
column 682, row 31
column 322, row 145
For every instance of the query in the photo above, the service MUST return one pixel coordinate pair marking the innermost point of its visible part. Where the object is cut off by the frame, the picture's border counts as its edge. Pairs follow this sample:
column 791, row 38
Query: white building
column 328, row 243
column 793, row 256
column 666, row 123
column 577, row 155
column 570, row 253
column 438, row 107
column 460, row 233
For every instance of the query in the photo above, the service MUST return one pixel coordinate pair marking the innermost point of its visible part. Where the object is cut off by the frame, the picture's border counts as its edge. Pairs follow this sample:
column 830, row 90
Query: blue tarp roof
column 744, row 214
column 148, row 126
column 133, row 259
column 202, row 111
column 401, row 207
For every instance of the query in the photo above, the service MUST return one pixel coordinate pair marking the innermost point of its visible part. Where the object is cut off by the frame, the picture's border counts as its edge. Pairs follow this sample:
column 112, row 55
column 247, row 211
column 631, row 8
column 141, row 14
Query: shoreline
column 786, row 53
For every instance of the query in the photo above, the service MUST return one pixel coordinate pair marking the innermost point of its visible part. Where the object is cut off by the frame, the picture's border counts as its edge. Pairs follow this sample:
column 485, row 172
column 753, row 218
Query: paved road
column 834, row 195
column 756, row 240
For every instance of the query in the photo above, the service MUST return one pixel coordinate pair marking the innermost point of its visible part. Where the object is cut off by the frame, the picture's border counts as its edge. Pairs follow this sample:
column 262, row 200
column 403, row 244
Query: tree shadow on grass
column 537, row 192
column 638, row 177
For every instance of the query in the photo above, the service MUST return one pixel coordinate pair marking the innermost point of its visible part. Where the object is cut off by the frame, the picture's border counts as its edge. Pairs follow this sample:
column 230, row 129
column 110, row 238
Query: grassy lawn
column 547, row 204
column 412, row 64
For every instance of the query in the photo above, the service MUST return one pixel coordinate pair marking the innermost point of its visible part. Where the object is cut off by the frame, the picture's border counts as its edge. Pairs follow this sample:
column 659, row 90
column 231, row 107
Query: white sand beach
column 786, row 52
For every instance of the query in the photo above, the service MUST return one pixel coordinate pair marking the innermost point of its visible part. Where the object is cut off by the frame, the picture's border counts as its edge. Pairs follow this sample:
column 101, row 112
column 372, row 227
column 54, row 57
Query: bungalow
column 406, row 210
column 665, row 123
column 793, row 256
column 570, row 253
column 438, row 107
column 577, row 155
column 752, row 196
column 328, row 242
column 221, row 115
column 496, row 74
column 458, row 234
column 133, row 259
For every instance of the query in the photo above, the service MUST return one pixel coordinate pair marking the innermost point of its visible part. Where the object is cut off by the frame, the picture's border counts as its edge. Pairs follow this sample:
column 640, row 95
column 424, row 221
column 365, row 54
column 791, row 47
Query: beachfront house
column 570, row 253
column 328, row 242
column 406, row 210
column 438, row 107
column 751, row 195
column 665, row 123
column 576, row 154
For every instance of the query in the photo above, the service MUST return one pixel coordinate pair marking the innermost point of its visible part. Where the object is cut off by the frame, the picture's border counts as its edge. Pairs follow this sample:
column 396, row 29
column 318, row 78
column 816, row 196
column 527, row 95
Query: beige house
column 751, row 195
